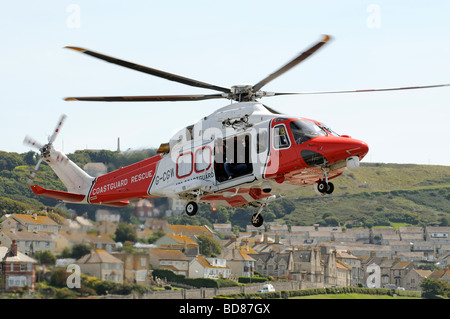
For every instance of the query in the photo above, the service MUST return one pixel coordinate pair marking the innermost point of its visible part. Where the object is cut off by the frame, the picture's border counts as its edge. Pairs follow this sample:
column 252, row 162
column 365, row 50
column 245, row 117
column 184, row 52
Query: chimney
column 14, row 247
column 277, row 238
column 35, row 216
column 316, row 227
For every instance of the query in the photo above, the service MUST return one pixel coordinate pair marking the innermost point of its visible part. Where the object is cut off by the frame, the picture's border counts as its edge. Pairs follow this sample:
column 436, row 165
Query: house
column 412, row 256
column 272, row 263
column 100, row 264
column 414, row 278
column 157, row 224
column 145, row 209
column 185, row 244
column 17, row 270
column 360, row 235
column 100, row 241
column 354, row 263
column 399, row 271
column 443, row 275
column 438, row 235
column 30, row 223
column 239, row 261
column 399, row 246
column 411, row 234
column 343, row 274
column 172, row 259
column 28, row 242
column 225, row 229
column 383, row 236
column 190, row 231
column 202, row 267
column 107, row 221
column 277, row 228
column 136, row 267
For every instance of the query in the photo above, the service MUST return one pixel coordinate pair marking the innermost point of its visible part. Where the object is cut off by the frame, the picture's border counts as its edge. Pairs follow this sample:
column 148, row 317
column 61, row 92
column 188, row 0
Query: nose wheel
column 325, row 188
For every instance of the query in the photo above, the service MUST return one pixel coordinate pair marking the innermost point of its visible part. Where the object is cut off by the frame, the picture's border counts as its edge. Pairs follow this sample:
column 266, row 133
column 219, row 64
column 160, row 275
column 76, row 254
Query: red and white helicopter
column 243, row 154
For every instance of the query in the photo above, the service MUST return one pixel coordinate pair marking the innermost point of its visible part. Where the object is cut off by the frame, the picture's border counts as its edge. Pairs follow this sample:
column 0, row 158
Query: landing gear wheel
column 191, row 208
column 257, row 220
column 322, row 187
column 330, row 188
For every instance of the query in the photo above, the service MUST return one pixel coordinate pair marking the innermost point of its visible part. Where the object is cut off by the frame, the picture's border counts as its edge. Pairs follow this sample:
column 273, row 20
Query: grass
column 352, row 296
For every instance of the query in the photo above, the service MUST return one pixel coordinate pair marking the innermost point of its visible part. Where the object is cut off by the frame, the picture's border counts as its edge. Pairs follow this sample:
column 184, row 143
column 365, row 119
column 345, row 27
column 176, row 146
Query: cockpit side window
column 280, row 137
column 305, row 130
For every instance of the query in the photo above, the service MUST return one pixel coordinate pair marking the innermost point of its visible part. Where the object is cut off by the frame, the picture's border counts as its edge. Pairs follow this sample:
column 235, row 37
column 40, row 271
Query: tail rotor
column 44, row 149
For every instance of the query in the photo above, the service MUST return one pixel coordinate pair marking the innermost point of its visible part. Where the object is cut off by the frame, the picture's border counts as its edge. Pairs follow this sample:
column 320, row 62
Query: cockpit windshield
column 328, row 129
column 303, row 130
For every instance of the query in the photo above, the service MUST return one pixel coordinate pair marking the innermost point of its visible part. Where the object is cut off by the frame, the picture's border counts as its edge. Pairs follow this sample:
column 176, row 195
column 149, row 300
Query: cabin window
column 203, row 159
column 261, row 141
column 184, row 164
column 280, row 137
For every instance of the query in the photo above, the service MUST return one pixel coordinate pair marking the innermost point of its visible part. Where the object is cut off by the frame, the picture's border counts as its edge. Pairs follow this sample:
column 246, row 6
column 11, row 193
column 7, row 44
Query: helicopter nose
column 355, row 147
column 330, row 150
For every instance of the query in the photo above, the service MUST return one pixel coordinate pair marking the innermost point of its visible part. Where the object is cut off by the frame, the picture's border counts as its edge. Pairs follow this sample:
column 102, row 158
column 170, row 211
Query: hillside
column 373, row 195
column 378, row 194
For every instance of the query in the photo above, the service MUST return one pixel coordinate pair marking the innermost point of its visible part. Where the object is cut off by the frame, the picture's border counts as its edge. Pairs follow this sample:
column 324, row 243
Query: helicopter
column 243, row 154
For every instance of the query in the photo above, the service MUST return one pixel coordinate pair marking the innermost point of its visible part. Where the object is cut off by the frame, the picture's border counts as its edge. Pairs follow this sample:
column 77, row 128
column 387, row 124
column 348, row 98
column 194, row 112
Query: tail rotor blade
column 32, row 142
column 58, row 127
column 33, row 173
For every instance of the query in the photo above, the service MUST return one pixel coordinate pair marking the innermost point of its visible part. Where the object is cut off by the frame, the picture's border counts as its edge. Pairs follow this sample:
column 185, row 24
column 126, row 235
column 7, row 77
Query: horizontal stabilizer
column 65, row 196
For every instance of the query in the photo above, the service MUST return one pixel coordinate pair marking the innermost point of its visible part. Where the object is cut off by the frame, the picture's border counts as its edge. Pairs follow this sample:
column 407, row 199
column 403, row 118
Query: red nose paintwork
column 302, row 163
column 336, row 148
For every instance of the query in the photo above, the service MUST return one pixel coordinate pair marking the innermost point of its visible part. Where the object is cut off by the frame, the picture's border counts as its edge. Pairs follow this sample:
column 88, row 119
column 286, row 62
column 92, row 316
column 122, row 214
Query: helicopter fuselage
column 274, row 153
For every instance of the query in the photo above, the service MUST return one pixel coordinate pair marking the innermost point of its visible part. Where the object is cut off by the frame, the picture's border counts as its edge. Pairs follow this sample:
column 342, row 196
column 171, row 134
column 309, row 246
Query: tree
column 80, row 249
column 45, row 257
column 208, row 246
column 433, row 287
column 125, row 232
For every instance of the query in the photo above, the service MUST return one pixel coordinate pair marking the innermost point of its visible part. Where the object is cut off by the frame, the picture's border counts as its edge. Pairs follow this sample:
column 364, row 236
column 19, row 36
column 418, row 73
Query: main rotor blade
column 366, row 90
column 155, row 72
column 154, row 98
column 300, row 58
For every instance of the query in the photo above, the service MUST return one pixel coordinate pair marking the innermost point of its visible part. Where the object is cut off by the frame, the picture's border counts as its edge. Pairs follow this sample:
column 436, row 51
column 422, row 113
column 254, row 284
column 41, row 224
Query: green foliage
column 155, row 236
column 125, row 232
column 170, row 276
column 209, row 247
column 433, row 288
column 45, row 257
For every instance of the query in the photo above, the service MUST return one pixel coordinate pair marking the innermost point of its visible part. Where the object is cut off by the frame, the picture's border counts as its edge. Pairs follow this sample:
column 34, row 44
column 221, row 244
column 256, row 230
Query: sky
column 375, row 44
